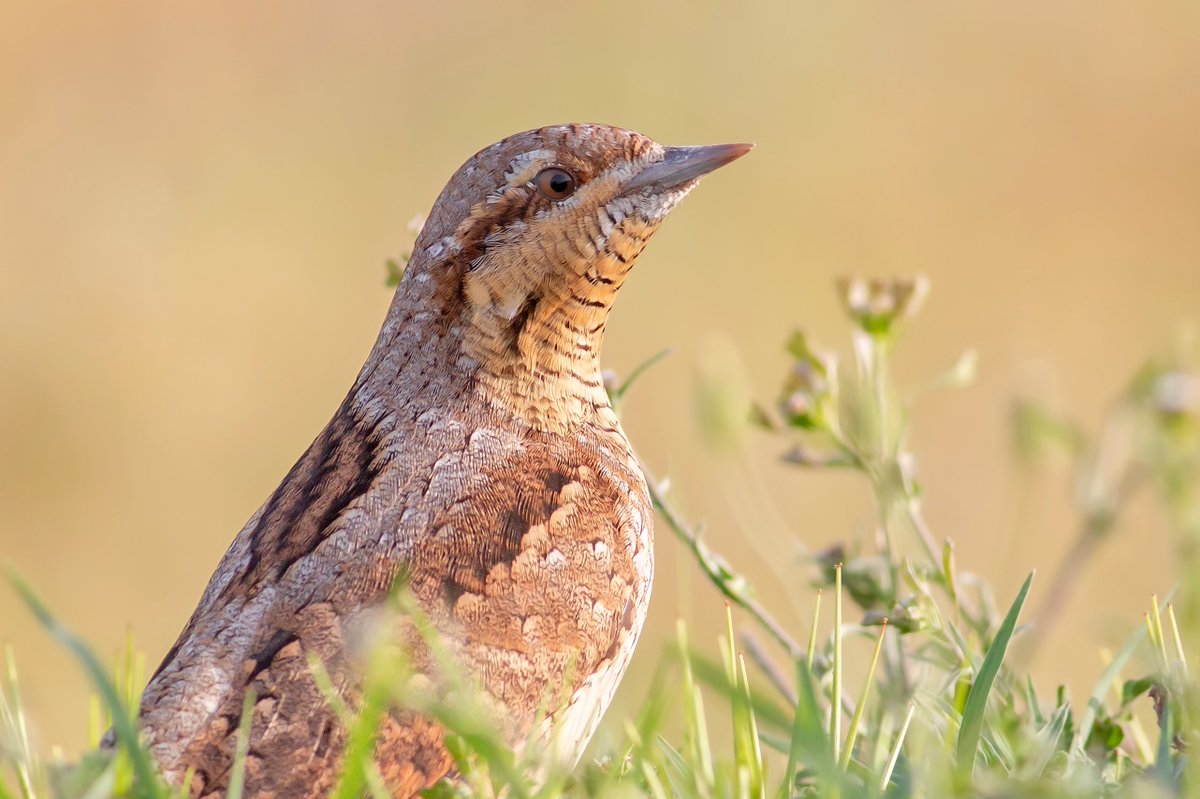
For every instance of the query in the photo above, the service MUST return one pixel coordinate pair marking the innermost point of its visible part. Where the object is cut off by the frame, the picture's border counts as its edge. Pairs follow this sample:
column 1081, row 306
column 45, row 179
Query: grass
column 938, row 709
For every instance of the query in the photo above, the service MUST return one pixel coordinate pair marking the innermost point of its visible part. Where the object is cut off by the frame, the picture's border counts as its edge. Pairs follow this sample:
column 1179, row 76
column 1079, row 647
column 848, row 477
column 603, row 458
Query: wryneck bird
column 477, row 459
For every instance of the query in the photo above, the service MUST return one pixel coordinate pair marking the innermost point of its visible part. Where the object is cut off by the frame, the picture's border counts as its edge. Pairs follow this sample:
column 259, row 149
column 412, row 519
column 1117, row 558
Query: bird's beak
column 681, row 164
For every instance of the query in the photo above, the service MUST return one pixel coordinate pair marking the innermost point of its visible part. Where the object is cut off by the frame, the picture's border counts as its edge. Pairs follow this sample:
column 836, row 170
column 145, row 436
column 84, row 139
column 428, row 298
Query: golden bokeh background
column 197, row 200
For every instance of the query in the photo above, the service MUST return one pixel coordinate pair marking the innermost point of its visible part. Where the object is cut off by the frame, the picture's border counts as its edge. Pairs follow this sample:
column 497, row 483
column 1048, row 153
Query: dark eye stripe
column 515, row 205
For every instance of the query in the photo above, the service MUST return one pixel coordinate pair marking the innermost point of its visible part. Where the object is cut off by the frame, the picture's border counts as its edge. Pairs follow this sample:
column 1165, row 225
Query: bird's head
column 528, row 244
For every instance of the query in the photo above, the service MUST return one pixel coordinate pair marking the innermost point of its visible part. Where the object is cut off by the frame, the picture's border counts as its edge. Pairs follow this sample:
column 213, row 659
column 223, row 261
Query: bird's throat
column 535, row 323
column 541, row 359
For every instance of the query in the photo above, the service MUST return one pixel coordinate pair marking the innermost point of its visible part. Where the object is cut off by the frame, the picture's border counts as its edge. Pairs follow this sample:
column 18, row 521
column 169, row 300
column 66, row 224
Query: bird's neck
column 534, row 358
column 539, row 357
column 533, row 321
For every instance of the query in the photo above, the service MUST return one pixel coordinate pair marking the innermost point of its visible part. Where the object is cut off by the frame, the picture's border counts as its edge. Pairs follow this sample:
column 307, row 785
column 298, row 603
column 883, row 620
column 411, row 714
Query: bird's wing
column 279, row 596
column 524, row 548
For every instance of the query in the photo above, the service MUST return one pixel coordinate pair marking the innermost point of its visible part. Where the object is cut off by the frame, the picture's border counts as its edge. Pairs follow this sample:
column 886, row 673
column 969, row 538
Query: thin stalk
column 1159, row 637
column 887, row 772
column 695, row 724
column 754, row 752
column 716, row 571
column 13, row 714
column 1091, row 535
column 768, row 667
column 1176, row 639
column 835, row 713
column 1150, row 633
column 924, row 534
column 812, row 632
column 237, row 776
column 856, row 719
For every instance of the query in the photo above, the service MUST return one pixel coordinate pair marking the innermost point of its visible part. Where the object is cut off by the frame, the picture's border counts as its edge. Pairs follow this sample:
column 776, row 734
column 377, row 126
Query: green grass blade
column 653, row 783
column 713, row 675
column 619, row 393
column 812, row 632
column 895, row 756
column 835, row 715
column 751, row 755
column 184, row 791
column 14, row 733
column 806, row 724
column 810, row 743
column 1031, row 702
column 237, row 774
column 1176, row 639
column 971, row 728
column 122, row 718
column 861, row 707
column 694, row 721
column 1160, row 636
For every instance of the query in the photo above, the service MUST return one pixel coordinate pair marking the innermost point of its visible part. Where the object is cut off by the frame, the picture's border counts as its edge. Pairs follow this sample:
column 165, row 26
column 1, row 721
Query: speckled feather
column 477, row 454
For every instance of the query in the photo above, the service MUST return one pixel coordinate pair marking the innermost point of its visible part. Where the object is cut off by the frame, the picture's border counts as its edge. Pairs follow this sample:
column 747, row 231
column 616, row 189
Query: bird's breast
column 541, row 574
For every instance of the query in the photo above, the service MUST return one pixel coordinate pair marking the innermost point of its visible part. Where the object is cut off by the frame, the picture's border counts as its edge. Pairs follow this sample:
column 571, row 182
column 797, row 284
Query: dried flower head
column 1177, row 394
column 878, row 305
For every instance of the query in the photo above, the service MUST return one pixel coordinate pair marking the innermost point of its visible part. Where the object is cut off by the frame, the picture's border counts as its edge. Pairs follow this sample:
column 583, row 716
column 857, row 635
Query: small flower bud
column 807, row 396
column 878, row 305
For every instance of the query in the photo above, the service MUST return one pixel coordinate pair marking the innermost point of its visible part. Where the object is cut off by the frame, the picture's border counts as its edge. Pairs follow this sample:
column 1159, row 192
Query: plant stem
column 1095, row 529
column 715, row 571
column 754, row 649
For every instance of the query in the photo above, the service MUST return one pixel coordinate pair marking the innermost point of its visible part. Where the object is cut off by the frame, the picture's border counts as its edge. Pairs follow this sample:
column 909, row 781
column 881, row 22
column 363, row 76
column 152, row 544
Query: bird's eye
column 555, row 183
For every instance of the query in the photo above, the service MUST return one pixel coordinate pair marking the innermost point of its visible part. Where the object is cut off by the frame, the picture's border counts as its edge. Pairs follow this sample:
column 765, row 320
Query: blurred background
column 196, row 203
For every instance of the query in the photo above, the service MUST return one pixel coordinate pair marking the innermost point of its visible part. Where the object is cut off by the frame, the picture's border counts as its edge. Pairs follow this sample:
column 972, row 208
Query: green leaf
column 1031, row 702
column 1106, row 735
column 395, row 271
column 1132, row 689
column 971, row 728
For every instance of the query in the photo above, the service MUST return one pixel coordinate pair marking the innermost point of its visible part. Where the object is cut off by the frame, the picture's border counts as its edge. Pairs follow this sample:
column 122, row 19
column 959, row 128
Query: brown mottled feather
column 477, row 454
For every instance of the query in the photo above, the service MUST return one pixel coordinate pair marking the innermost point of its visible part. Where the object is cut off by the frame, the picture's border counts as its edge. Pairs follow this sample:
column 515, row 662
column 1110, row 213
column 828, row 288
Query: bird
column 477, row 458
